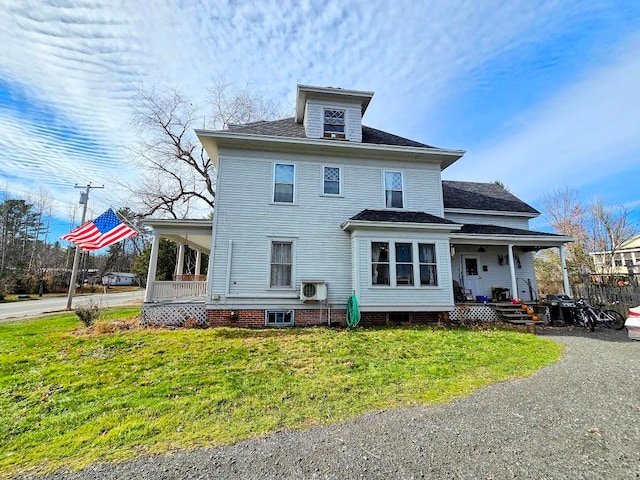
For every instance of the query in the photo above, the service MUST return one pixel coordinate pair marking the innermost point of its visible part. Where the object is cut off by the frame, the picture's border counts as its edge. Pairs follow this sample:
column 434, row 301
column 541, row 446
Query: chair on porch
column 458, row 292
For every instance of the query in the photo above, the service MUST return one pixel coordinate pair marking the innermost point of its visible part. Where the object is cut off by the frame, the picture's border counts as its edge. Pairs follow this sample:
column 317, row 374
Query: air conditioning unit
column 313, row 290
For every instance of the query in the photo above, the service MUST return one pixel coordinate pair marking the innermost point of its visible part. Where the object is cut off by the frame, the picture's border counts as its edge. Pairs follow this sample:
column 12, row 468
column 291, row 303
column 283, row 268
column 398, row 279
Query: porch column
column 633, row 259
column 512, row 269
column 151, row 272
column 198, row 261
column 180, row 263
column 565, row 276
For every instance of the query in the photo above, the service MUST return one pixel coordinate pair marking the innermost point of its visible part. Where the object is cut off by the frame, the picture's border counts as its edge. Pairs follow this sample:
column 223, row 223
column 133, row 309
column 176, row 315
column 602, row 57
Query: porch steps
column 513, row 313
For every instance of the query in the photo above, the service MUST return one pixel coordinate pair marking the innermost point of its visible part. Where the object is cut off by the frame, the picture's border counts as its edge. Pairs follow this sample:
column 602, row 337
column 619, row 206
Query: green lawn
column 68, row 400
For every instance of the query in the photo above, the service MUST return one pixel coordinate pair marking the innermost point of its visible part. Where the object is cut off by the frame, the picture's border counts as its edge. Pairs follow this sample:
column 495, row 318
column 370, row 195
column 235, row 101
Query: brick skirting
column 315, row 317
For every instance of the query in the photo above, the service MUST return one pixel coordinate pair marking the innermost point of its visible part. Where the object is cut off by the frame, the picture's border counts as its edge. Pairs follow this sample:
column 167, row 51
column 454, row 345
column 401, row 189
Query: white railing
column 178, row 290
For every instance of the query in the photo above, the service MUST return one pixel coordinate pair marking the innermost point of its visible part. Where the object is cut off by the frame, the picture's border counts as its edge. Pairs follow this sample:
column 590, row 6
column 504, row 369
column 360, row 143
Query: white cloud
column 85, row 61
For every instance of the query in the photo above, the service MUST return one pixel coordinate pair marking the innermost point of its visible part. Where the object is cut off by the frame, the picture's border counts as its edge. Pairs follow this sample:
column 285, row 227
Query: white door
column 471, row 274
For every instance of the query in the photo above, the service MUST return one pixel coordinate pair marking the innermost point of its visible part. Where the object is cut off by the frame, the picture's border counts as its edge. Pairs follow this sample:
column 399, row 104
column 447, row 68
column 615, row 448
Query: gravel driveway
column 579, row 418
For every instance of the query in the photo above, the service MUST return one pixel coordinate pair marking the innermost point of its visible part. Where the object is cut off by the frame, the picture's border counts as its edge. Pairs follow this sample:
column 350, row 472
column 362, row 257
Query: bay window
column 404, row 264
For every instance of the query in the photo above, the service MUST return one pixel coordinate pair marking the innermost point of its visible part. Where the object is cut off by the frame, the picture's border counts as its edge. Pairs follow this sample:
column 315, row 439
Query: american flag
column 101, row 232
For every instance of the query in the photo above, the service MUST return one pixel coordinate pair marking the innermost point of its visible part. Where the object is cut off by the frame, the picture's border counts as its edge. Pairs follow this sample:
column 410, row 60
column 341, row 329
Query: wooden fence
column 619, row 298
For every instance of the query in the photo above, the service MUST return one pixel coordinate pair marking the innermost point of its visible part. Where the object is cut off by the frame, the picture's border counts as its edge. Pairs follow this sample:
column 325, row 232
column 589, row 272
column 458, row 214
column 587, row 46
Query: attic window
column 334, row 123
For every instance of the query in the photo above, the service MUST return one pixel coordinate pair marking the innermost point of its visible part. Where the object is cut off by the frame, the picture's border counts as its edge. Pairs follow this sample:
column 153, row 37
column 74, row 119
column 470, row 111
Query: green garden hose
column 353, row 312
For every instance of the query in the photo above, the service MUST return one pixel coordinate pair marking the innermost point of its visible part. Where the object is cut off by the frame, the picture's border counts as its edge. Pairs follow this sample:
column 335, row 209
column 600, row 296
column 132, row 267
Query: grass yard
column 68, row 400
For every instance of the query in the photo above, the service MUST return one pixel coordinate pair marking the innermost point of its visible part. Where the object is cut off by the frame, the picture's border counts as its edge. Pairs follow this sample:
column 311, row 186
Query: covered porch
column 492, row 263
column 189, row 280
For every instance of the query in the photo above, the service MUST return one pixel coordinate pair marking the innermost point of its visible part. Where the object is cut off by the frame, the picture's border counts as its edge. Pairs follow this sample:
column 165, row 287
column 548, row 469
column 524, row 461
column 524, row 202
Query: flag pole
column 76, row 258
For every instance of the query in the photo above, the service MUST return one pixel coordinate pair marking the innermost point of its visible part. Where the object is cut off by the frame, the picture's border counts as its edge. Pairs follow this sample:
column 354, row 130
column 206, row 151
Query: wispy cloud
column 71, row 70
column 587, row 131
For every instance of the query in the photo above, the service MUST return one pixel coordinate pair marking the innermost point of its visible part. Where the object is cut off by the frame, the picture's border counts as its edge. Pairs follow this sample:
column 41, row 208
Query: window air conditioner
column 313, row 290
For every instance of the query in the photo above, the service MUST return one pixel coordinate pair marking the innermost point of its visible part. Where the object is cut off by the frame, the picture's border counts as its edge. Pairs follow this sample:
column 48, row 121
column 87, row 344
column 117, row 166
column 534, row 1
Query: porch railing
column 179, row 290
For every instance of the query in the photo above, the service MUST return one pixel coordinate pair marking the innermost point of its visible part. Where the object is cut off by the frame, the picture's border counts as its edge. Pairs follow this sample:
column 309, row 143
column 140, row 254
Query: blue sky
column 540, row 94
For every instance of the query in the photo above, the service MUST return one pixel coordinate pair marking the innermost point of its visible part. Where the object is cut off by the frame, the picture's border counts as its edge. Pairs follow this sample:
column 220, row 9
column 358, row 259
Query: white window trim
column 322, row 192
column 289, row 324
column 270, row 241
column 295, row 184
column 384, row 191
column 392, row 264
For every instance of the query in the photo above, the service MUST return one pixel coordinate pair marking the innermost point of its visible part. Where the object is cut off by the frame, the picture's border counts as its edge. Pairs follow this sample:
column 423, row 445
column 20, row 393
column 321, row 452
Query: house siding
column 246, row 217
column 506, row 220
column 410, row 298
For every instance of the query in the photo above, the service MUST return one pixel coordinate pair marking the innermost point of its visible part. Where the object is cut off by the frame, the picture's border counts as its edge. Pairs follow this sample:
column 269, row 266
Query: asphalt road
column 42, row 306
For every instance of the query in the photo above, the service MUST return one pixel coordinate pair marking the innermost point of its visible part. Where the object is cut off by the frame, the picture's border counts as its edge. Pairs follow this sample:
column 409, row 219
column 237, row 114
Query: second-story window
column 393, row 190
column 334, row 123
column 331, row 181
column 283, row 183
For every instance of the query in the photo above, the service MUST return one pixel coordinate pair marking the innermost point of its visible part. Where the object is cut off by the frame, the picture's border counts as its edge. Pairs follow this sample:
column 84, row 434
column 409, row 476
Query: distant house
column 623, row 260
column 120, row 279
column 314, row 209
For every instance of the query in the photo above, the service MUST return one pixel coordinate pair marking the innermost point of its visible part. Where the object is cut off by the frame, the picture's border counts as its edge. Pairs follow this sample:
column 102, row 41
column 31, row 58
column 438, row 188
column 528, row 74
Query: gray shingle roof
column 287, row 127
column 399, row 216
column 482, row 196
column 473, row 228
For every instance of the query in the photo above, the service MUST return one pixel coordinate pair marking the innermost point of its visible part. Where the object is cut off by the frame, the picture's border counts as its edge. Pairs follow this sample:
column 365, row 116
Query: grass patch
column 68, row 400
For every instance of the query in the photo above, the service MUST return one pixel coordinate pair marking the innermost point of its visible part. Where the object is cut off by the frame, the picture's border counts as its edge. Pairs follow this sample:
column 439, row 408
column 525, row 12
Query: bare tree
column 568, row 216
column 596, row 228
column 610, row 226
column 176, row 173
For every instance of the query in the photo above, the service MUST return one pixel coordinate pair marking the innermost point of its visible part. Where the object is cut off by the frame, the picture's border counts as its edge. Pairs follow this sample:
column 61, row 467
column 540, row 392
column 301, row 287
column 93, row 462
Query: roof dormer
column 332, row 113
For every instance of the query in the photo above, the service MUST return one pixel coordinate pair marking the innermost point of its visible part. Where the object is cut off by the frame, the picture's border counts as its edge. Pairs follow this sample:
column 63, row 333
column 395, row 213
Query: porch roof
column 472, row 233
column 196, row 233
column 398, row 219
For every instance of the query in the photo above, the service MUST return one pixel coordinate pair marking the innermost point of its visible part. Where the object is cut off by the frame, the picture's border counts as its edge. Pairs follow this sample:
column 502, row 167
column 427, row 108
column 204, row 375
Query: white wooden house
column 312, row 209
column 120, row 279
column 624, row 260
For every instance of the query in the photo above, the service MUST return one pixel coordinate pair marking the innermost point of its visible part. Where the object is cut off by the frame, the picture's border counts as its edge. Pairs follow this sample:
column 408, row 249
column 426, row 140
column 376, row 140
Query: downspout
column 228, row 279
column 512, row 269
column 565, row 275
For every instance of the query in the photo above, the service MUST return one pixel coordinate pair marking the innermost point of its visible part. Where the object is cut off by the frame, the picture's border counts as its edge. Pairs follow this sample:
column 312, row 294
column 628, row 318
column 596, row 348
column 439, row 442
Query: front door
column 470, row 274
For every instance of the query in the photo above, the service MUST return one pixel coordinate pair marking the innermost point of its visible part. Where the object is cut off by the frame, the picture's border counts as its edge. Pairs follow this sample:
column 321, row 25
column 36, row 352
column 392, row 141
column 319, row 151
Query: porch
column 495, row 263
column 188, row 284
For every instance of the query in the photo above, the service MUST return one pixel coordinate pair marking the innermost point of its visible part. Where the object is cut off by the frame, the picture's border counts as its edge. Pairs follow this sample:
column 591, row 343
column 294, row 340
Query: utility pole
column 84, row 200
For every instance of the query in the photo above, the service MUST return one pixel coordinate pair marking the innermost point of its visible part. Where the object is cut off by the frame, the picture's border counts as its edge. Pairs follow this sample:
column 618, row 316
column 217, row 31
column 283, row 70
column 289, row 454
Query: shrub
column 113, row 326
column 88, row 313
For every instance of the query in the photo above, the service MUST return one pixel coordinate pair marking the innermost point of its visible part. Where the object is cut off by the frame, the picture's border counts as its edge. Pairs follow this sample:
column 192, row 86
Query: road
column 41, row 306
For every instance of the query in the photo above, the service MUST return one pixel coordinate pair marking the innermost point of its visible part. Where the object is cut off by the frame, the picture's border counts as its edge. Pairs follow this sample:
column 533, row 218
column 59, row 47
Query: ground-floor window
column 279, row 318
column 404, row 264
column 281, row 264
